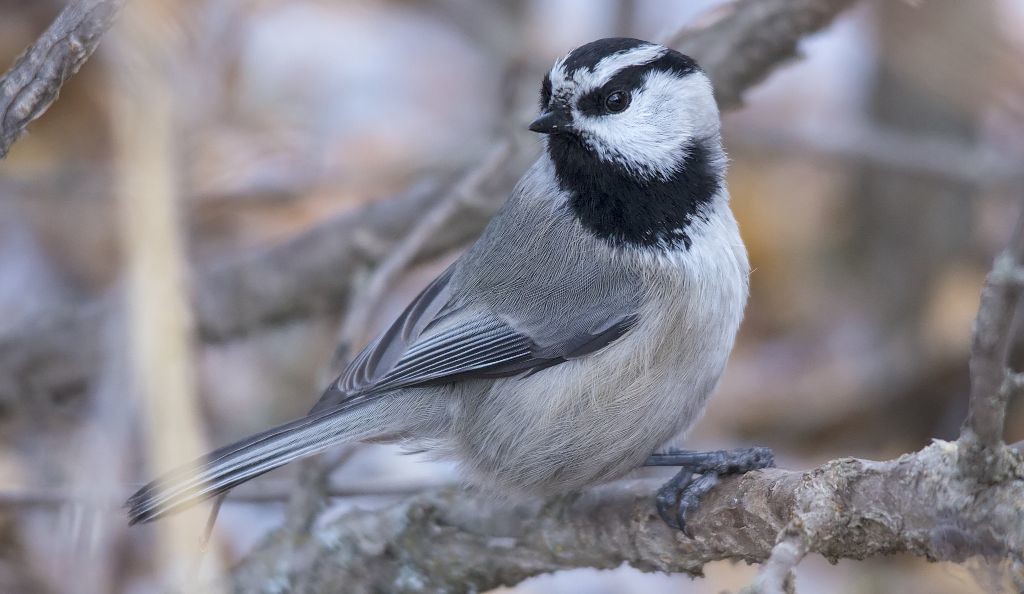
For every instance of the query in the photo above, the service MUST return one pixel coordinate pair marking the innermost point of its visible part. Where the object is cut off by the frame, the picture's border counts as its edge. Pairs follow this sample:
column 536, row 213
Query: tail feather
column 228, row 467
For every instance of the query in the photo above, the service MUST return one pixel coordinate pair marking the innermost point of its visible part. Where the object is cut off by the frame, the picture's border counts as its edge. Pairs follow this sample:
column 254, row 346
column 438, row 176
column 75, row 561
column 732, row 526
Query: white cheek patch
column 651, row 136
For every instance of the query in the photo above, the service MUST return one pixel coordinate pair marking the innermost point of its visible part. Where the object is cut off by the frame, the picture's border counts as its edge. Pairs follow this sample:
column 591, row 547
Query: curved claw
column 667, row 499
column 683, row 492
column 689, row 497
column 665, row 503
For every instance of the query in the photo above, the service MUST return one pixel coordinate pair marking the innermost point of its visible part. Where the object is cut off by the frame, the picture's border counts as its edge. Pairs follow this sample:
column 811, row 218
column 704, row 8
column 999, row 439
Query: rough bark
column 449, row 541
column 34, row 81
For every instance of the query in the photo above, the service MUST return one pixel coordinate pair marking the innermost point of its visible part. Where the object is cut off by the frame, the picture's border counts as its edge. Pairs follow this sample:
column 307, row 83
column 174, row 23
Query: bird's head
column 630, row 103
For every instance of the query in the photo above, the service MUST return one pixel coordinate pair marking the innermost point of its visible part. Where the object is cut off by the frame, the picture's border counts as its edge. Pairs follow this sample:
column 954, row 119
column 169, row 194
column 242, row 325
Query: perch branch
column 446, row 541
column 34, row 81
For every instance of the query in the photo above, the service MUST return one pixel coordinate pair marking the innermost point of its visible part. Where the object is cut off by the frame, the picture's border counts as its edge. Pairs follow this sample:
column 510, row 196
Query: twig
column 34, row 81
column 776, row 574
column 211, row 521
column 465, row 193
column 990, row 347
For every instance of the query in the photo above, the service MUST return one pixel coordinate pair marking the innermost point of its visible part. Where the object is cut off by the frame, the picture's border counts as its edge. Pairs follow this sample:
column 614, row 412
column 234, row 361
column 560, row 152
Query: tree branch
column 750, row 39
column 447, row 541
column 868, row 143
column 431, row 224
column 991, row 382
column 29, row 88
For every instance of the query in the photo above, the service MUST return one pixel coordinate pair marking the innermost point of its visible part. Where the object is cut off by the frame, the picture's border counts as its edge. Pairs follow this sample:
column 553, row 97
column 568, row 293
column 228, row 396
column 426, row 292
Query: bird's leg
column 683, row 492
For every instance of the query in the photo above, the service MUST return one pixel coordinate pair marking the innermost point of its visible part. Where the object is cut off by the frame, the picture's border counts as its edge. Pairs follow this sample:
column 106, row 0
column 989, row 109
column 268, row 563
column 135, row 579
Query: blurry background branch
column 889, row 148
column 35, row 79
column 160, row 331
column 463, row 195
column 53, row 357
column 266, row 492
column 748, row 39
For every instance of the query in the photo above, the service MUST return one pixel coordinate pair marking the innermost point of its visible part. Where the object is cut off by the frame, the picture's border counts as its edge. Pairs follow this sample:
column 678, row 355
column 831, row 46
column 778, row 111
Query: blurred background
column 874, row 180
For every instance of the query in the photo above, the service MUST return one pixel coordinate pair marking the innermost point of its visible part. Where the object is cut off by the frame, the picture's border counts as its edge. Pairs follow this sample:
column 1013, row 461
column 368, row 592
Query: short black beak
column 552, row 122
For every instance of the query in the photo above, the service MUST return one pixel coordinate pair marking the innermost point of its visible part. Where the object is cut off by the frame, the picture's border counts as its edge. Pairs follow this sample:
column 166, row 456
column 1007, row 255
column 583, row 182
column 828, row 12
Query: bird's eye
column 617, row 101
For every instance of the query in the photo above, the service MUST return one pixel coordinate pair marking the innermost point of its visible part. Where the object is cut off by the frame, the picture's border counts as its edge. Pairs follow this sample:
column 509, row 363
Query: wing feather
column 437, row 341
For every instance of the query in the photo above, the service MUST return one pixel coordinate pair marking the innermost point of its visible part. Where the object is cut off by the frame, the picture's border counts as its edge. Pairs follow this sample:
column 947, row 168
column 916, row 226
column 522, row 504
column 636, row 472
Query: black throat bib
column 619, row 207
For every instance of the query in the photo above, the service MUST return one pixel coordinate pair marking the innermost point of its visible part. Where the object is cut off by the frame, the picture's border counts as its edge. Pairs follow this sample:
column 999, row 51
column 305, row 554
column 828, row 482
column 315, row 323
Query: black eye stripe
column 592, row 103
column 631, row 78
column 545, row 91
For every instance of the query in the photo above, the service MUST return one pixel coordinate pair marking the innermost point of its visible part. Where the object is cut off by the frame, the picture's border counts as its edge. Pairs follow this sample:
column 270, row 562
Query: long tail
column 232, row 465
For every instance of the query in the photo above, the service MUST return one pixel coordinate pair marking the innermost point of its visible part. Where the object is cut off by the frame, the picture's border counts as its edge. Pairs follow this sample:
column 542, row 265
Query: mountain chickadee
column 584, row 329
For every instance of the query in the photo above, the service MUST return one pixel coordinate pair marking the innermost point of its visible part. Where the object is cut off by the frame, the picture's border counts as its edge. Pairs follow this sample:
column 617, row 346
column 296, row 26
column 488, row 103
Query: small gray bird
column 583, row 331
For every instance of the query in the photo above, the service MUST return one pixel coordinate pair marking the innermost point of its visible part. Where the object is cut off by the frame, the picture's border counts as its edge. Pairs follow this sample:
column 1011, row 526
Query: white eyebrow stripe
column 557, row 73
column 608, row 67
column 586, row 79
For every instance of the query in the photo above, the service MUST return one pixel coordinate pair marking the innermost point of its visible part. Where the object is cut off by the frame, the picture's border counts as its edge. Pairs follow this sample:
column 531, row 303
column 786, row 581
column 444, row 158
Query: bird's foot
column 699, row 473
